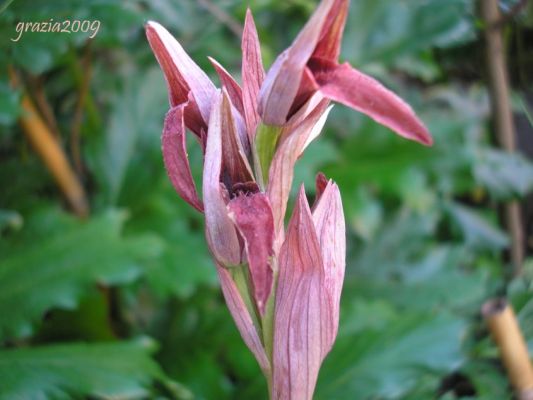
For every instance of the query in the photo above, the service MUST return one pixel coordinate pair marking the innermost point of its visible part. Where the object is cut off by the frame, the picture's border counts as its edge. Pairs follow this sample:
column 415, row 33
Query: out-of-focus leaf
column 476, row 230
column 388, row 362
column 49, row 272
column 110, row 370
column 10, row 219
column 134, row 134
column 504, row 175
column 9, row 104
column 382, row 31
column 185, row 263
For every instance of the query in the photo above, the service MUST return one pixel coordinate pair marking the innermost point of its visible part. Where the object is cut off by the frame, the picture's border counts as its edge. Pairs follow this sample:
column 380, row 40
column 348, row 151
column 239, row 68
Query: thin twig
column 221, row 15
column 504, row 124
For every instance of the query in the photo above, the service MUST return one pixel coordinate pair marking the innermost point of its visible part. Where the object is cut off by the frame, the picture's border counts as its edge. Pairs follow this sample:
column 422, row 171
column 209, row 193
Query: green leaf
column 476, row 230
column 386, row 363
column 504, row 175
column 117, row 370
column 55, row 270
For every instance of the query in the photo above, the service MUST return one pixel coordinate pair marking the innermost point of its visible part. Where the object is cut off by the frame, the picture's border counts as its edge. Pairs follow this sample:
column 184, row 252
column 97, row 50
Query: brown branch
column 505, row 331
column 504, row 124
column 506, row 18
column 75, row 132
column 221, row 15
column 53, row 156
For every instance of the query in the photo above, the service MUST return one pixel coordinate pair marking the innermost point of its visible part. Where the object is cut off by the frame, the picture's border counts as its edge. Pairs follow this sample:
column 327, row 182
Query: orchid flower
column 282, row 287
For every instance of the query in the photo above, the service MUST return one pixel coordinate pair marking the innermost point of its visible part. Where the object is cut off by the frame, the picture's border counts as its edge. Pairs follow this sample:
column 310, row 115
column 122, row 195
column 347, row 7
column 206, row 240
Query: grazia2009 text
column 51, row 26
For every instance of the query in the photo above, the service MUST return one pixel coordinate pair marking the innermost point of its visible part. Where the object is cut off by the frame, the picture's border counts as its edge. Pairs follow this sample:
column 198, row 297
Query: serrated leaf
column 110, row 370
column 476, row 230
column 47, row 272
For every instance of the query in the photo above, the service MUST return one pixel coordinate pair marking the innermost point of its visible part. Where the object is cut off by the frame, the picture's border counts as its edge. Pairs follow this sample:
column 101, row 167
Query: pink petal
column 181, row 72
column 220, row 231
column 328, row 217
column 176, row 159
column 283, row 79
column 243, row 319
column 299, row 333
column 354, row 89
column 252, row 215
column 253, row 73
column 235, row 161
column 233, row 88
column 282, row 168
column 329, row 46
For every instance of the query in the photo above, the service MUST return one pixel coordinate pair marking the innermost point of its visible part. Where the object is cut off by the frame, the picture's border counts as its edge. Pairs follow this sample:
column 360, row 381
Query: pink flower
column 282, row 289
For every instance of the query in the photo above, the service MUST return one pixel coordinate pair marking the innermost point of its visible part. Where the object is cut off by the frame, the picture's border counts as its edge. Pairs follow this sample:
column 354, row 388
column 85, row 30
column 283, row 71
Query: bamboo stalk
column 504, row 124
column 50, row 151
column 506, row 332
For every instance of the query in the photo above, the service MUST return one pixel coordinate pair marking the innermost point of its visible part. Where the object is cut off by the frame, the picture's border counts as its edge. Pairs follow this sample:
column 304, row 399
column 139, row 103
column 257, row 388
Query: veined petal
column 220, row 231
column 243, row 319
column 284, row 77
column 253, row 73
column 328, row 217
column 252, row 215
column 299, row 329
column 329, row 46
column 229, row 83
column 348, row 86
column 282, row 168
column 175, row 156
column 181, row 72
column 235, row 162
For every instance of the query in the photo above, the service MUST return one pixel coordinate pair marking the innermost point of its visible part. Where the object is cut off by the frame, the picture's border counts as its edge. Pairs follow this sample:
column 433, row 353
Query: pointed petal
column 299, row 331
column 329, row 46
column 328, row 218
column 176, row 159
column 242, row 319
column 253, row 73
column 282, row 167
column 348, row 86
column 321, row 182
column 252, row 215
column 283, row 79
column 180, row 70
column 235, row 161
column 233, row 88
column 220, row 231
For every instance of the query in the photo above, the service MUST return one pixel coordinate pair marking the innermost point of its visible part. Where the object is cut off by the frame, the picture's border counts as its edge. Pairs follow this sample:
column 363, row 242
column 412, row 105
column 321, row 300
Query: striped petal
column 175, row 156
column 300, row 336
column 350, row 87
column 181, row 72
column 252, row 215
column 220, row 232
column 283, row 80
column 253, row 73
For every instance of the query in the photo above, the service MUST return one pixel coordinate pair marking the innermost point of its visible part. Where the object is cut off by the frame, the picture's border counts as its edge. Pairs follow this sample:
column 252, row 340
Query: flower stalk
column 282, row 286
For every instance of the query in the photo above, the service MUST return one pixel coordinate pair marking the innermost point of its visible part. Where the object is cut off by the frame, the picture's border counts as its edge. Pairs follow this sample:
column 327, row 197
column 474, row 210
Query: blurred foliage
column 79, row 297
